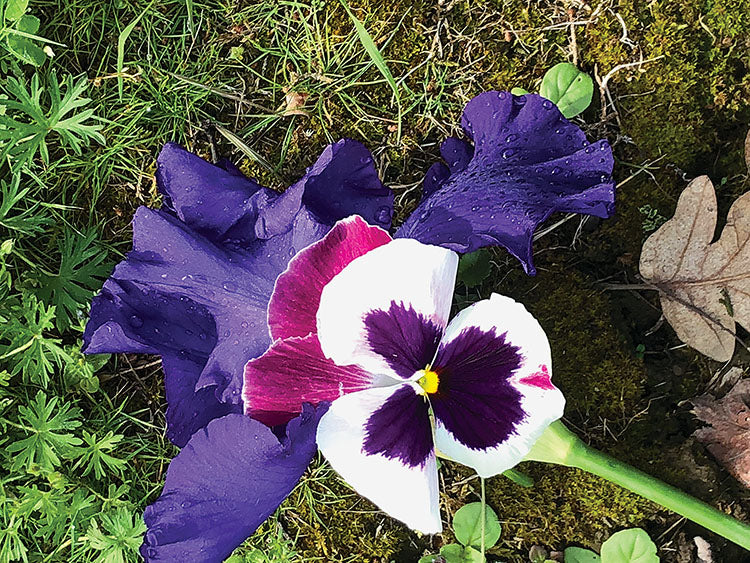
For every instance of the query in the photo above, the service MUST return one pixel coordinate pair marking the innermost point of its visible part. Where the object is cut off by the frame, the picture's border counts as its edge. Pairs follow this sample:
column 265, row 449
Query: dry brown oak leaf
column 704, row 287
column 728, row 436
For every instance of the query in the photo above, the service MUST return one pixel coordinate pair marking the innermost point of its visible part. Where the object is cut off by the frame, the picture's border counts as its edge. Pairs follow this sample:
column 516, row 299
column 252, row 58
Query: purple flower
column 196, row 286
column 527, row 162
column 403, row 381
column 202, row 289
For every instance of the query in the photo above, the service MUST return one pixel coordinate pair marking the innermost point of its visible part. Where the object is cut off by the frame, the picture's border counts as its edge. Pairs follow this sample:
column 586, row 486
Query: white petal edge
column 409, row 494
column 405, row 271
column 542, row 406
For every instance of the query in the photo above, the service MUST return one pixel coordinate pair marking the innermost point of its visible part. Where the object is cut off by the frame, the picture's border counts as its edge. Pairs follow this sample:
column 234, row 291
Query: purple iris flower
column 370, row 335
column 526, row 163
column 197, row 290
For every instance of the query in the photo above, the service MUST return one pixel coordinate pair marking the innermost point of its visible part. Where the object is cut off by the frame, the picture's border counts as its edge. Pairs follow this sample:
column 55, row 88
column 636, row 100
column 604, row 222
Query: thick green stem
column 559, row 445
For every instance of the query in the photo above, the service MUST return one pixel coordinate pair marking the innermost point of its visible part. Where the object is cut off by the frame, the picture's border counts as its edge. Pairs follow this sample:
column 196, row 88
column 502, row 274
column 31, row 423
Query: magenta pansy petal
column 379, row 440
column 296, row 296
column 230, row 477
column 292, row 372
column 528, row 162
column 495, row 396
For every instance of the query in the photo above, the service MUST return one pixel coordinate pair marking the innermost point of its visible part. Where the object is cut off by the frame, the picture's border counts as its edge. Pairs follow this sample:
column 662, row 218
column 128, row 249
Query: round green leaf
column 454, row 553
column 580, row 555
column 518, row 91
column 14, row 9
column 568, row 87
column 629, row 546
column 474, row 267
column 431, row 559
column 467, row 525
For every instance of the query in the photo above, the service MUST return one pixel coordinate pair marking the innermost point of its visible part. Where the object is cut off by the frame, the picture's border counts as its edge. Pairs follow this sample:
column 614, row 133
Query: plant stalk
column 559, row 445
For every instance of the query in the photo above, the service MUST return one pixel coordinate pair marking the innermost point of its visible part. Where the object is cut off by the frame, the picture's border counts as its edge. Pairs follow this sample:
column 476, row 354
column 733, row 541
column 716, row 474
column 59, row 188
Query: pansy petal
column 292, row 372
column 296, row 295
column 380, row 441
column 494, row 397
column 352, row 323
column 529, row 162
column 230, row 477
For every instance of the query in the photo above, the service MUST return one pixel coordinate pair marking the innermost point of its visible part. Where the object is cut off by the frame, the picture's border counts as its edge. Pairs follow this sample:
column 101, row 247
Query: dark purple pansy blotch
column 526, row 163
column 195, row 290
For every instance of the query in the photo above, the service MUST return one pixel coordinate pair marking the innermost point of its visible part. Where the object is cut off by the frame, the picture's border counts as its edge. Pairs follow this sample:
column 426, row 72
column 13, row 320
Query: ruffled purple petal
column 219, row 244
column 528, row 162
column 230, row 477
column 129, row 316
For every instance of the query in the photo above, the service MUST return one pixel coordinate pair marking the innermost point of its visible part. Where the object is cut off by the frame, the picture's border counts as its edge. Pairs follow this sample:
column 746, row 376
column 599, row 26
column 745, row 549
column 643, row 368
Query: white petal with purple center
column 358, row 307
column 380, row 441
column 495, row 397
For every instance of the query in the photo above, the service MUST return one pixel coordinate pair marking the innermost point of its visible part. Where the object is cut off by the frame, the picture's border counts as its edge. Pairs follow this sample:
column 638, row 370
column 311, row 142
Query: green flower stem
column 559, row 445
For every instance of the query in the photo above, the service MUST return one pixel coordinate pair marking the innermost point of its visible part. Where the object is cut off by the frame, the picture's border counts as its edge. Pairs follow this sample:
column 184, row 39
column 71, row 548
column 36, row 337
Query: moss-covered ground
column 675, row 104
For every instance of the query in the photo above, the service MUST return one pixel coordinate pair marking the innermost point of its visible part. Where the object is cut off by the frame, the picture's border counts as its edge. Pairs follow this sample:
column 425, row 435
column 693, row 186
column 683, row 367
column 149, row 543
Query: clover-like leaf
column 467, row 525
column 704, row 287
column 629, row 546
column 568, row 87
column 580, row 555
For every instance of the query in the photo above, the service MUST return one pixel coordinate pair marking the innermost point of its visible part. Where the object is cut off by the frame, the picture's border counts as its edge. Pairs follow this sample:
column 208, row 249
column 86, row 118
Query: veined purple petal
column 400, row 429
column 344, row 182
column 230, row 477
column 528, row 162
column 475, row 400
column 404, row 338
column 130, row 317
column 220, row 243
column 292, row 372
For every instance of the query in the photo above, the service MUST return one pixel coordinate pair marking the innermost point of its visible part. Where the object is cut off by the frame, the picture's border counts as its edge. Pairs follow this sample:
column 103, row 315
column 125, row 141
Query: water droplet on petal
column 136, row 321
column 510, row 138
column 229, row 286
column 383, row 214
column 546, row 104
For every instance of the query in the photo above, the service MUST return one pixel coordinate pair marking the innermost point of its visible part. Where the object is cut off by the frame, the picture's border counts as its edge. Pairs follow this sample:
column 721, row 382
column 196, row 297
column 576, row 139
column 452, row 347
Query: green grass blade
column 121, row 39
column 377, row 58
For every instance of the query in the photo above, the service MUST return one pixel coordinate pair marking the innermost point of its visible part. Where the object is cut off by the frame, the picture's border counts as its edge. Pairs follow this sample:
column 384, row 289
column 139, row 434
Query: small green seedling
column 474, row 268
column 467, row 526
column 568, row 87
column 626, row 546
column 18, row 32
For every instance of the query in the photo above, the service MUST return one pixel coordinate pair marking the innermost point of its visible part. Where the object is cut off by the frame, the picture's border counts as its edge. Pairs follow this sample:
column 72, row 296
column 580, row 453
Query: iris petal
column 230, row 477
column 219, row 243
column 528, row 162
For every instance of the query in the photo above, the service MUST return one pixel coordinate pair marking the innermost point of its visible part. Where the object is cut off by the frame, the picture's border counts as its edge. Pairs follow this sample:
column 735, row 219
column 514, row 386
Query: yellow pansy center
column 429, row 380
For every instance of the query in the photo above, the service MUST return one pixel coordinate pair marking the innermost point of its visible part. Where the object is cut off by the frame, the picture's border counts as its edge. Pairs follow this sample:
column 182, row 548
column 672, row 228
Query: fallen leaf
column 728, row 435
column 294, row 101
column 704, row 287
